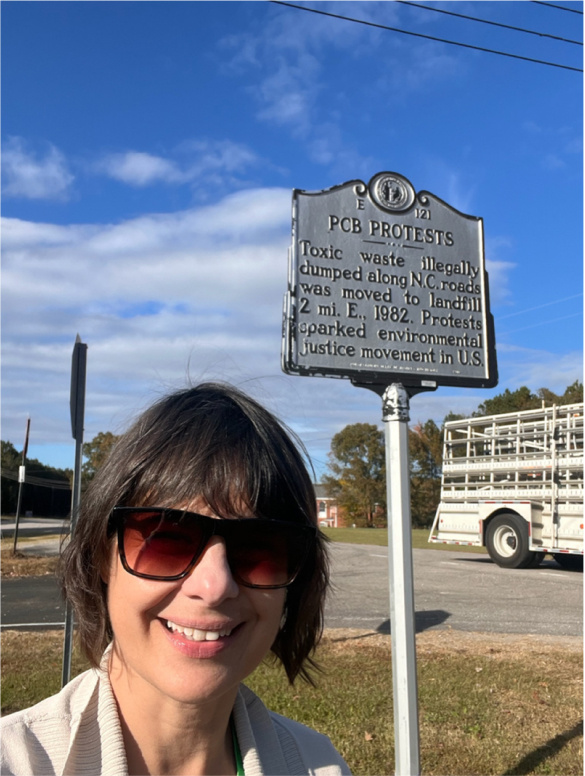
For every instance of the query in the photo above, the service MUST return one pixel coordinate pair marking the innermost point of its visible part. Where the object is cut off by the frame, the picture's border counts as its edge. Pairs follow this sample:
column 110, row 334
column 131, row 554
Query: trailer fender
column 490, row 509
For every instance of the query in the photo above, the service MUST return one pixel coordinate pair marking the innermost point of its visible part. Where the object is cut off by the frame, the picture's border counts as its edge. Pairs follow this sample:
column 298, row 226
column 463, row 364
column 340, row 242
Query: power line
column 427, row 37
column 486, row 21
column 558, row 7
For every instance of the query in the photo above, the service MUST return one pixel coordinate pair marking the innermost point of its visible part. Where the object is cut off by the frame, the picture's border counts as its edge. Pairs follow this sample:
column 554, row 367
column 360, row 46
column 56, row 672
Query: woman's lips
column 195, row 633
column 199, row 643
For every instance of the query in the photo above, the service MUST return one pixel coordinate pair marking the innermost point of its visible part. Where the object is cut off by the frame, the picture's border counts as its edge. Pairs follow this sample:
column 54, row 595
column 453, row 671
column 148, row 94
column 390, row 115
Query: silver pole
column 395, row 406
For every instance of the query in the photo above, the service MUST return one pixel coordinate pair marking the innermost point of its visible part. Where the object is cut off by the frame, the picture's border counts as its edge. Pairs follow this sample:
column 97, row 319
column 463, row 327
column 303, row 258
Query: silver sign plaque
column 386, row 285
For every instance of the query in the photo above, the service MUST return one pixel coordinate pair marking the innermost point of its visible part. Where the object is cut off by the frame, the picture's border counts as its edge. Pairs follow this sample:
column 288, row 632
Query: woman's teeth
column 194, row 634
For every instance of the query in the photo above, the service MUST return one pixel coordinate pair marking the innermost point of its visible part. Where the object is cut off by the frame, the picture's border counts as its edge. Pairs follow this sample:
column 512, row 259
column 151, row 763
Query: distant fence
column 41, row 496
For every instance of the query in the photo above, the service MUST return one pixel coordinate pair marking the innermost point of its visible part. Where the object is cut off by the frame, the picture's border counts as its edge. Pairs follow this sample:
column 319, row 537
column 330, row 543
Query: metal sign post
column 395, row 405
column 77, row 406
column 388, row 287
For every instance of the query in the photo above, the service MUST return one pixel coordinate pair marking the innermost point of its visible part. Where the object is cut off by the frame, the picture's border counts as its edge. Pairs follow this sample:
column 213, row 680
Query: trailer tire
column 569, row 562
column 507, row 542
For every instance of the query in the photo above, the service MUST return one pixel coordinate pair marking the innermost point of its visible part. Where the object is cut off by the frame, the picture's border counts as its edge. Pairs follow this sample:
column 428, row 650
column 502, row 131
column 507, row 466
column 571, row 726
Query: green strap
column 237, row 753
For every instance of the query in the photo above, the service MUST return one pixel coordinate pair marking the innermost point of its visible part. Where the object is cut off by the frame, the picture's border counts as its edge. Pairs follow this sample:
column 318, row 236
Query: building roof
column 321, row 490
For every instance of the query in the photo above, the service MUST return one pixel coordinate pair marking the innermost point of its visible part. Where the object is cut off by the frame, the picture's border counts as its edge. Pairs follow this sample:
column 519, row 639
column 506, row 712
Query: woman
column 195, row 553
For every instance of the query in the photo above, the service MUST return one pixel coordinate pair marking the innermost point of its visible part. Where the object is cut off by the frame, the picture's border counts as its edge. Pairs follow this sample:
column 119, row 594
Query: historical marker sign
column 387, row 285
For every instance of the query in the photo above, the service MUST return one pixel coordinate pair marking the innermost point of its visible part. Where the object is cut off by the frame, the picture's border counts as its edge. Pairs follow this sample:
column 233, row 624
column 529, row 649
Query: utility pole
column 21, row 478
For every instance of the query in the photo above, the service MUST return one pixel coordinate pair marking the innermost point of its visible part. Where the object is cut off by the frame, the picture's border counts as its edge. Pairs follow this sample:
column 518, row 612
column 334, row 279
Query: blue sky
column 149, row 153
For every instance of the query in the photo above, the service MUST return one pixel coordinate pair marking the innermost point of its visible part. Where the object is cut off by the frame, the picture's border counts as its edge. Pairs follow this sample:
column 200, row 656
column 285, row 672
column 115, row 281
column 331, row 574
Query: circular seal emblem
column 391, row 191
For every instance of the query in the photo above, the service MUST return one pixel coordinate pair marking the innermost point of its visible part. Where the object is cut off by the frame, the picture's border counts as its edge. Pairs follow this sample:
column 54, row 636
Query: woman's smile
column 201, row 643
column 201, row 632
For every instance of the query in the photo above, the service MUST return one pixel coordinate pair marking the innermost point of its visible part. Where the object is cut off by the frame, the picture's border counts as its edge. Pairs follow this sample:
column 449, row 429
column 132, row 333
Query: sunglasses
column 165, row 544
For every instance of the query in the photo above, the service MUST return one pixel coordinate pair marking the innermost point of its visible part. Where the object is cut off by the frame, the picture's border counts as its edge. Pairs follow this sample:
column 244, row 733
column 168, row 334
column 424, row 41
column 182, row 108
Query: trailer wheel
column 507, row 542
column 569, row 562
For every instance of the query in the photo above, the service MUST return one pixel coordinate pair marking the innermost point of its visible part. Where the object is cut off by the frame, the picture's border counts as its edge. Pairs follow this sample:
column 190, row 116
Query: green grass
column 477, row 716
column 379, row 537
column 486, row 707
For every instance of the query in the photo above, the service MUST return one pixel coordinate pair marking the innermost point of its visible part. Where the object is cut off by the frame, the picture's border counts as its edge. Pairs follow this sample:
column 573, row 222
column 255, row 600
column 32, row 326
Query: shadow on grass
column 422, row 621
column 529, row 763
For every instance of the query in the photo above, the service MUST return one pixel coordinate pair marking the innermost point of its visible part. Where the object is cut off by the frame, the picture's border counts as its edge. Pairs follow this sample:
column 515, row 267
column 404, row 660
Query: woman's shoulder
column 303, row 750
column 63, row 704
column 39, row 736
column 317, row 751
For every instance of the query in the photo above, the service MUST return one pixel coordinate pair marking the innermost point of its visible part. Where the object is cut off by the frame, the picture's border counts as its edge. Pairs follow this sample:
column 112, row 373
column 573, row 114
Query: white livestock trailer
column 514, row 484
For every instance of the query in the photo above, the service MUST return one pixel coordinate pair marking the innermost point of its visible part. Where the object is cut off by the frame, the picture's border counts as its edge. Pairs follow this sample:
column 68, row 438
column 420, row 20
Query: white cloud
column 288, row 84
column 165, row 298
column 564, row 139
column 26, row 175
column 415, row 67
column 498, row 272
column 290, row 70
column 574, row 146
column 553, row 162
column 197, row 161
column 498, row 269
column 140, row 169
column 201, row 289
column 538, row 368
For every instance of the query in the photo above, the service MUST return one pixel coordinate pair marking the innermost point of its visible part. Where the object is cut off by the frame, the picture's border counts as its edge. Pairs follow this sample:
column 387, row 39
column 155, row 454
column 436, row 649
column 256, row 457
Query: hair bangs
column 234, row 465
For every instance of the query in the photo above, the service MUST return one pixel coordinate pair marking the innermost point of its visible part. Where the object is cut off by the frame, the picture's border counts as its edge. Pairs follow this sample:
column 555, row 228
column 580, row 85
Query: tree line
column 38, row 495
column 42, row 478
column 357, row 472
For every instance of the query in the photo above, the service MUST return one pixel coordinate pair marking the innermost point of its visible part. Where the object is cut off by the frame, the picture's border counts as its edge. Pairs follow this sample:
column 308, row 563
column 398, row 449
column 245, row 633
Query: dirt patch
column 503, row 645
column 26, row 565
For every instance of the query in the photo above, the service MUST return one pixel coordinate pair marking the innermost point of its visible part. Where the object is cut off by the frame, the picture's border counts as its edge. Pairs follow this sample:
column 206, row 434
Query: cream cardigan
column 77, row 733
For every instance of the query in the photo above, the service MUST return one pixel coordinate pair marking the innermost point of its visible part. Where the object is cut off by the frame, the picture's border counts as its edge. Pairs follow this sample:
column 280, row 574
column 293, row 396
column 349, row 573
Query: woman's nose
column 211, row 578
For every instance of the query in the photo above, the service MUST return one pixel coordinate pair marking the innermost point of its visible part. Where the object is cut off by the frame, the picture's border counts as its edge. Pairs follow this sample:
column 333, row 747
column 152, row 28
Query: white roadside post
column 395, row 413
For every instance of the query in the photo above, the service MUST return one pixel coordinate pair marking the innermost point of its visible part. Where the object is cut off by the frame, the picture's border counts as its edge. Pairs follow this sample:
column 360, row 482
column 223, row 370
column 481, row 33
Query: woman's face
column 193, row 639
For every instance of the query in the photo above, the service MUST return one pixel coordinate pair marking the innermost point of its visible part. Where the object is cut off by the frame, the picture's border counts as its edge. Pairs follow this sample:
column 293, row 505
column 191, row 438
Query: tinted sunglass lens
column 165, row 543
column 158, row 546
column 266, row 554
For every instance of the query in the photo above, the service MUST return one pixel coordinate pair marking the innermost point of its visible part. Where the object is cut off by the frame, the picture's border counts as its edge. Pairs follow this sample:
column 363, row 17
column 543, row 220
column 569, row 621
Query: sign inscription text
column 374, row 289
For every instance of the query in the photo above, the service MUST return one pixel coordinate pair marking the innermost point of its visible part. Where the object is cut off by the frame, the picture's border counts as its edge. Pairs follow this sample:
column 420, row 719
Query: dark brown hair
column 210, row 441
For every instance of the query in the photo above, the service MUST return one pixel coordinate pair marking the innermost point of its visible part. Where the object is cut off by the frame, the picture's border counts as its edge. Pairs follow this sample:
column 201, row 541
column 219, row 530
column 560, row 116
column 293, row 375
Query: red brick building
column 328, row 513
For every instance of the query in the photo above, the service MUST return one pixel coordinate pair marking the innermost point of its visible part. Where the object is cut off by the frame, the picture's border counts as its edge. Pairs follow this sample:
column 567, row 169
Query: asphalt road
column 463, row 591
column 31, row 526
